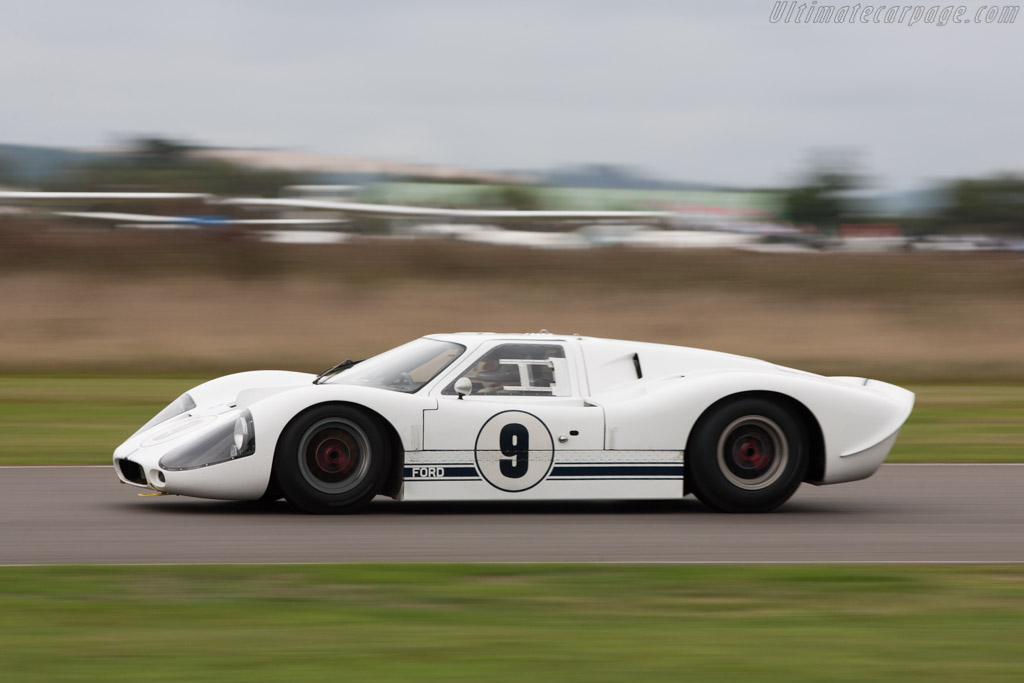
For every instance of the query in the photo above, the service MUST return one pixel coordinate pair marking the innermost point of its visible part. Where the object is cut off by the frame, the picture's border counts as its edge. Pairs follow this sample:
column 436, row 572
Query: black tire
column 331, row 460
column 749, row 455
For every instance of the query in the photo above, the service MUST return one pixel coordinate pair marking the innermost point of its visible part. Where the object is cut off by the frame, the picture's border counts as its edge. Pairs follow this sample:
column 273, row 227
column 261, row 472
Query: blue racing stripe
column 618, row 471
column 632, row 471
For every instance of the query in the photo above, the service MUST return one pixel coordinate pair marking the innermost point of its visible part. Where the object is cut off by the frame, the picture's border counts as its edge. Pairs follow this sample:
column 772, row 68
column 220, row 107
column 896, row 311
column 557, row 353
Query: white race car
column 519, row 416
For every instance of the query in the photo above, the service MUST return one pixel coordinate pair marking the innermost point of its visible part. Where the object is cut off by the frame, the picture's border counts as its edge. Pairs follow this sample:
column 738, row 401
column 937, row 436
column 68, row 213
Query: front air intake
column 132, row 471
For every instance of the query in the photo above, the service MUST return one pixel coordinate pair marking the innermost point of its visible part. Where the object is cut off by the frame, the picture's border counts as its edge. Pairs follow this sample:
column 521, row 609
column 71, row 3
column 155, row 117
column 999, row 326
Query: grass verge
column 540, row 622
column 964, row 423
column 79, row 420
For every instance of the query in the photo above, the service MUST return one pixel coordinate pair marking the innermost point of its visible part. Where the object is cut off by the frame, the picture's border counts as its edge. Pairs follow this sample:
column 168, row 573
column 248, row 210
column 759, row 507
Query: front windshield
column 406, row 368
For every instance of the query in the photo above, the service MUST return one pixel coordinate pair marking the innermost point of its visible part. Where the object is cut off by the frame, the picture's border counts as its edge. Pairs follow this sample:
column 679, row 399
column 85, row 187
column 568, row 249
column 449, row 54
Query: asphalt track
column 904, row 514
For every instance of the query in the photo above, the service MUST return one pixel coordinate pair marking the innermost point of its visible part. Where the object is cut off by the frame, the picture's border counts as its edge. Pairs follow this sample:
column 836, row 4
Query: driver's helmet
column 506, row 373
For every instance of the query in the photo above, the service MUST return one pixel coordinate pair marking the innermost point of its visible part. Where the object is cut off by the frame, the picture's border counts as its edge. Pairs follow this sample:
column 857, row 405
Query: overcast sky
column 710, row 92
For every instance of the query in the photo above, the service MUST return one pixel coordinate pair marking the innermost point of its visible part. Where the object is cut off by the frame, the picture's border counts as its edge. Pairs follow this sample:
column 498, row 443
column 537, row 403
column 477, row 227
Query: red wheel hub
column 335, row 452
column 750, row 452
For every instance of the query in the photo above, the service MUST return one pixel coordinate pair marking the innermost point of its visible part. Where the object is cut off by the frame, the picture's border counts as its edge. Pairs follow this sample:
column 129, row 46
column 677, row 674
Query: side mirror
column 463, row 387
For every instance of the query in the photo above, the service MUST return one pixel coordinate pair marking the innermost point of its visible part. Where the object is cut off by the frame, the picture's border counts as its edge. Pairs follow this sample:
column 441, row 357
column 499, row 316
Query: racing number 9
column 503, row 451
column 514, row 442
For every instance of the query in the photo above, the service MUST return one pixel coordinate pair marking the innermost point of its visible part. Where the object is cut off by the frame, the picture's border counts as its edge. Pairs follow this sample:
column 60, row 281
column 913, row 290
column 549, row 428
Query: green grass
column 524, row 622
column 76, row 421
column 79, row 420
column 964, row 423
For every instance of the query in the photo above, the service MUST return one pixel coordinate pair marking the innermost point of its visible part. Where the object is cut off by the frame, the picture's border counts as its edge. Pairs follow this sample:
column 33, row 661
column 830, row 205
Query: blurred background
column 194, row 188
column 200, row 188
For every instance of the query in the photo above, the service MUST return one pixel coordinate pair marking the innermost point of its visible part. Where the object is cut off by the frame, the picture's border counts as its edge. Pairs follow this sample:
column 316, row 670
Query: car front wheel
column 331, row 460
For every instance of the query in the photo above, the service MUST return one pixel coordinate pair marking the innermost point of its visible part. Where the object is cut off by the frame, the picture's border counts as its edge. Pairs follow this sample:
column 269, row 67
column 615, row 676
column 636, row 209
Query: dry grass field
column 77, row 300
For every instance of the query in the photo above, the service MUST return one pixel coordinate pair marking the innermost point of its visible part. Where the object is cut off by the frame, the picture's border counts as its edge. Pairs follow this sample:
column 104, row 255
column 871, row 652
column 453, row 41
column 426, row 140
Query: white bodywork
column 599, row 431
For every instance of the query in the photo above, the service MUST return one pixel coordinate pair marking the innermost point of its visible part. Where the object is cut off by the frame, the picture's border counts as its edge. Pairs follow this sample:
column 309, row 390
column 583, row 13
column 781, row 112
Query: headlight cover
column 228, row 441
column 182, row 404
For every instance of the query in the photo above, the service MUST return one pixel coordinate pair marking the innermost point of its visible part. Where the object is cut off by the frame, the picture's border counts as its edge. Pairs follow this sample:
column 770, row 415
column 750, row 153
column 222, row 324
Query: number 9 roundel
column 514, row 451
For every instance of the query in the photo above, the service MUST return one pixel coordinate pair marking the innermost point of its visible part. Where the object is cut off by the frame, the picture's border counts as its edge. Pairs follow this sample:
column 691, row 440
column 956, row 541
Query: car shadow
column 384, row 507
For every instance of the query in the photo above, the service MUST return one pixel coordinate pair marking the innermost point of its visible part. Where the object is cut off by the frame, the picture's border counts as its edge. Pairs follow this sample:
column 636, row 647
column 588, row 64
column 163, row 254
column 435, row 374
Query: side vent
column 636, row 364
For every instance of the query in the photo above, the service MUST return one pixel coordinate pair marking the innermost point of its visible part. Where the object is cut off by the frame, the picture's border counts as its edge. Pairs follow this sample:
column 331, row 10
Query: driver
column 494, row 376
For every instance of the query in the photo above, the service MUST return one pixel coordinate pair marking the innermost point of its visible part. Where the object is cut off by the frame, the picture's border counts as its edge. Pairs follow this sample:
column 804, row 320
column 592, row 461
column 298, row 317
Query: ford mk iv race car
column 460, row 417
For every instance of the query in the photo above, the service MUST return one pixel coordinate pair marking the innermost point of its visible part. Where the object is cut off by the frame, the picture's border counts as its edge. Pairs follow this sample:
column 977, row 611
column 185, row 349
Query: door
column 522, row 417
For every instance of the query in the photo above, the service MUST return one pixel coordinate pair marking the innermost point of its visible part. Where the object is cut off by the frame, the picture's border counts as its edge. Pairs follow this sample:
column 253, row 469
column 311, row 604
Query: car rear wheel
column 748, row 455
column 331, row 460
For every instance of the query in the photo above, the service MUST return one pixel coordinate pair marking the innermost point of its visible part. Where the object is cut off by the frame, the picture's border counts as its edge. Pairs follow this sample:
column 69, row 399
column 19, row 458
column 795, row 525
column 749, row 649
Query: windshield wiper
column 331, row 372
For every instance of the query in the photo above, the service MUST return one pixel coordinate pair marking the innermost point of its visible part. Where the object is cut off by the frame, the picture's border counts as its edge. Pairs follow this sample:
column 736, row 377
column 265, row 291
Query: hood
column 245, row 388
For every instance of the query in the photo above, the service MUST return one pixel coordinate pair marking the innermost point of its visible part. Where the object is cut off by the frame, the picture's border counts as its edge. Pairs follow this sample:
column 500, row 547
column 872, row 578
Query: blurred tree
column 812, row 205
column 160, row 152
column 519, row 197
column 8, row 171
column 991, row 205
column 156, row 164
column 823, row 197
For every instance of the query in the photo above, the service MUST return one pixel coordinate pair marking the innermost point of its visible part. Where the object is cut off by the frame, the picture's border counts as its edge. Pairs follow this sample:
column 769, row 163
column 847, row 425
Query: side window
column 519, row 370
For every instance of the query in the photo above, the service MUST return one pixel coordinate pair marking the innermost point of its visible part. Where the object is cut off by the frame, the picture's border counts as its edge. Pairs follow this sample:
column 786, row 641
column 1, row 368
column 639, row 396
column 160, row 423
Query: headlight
column 223, row 443
column 244, row 436
column 182, row 404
